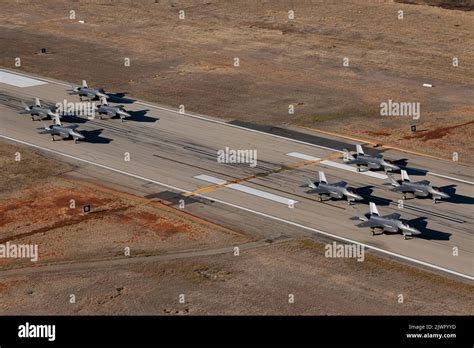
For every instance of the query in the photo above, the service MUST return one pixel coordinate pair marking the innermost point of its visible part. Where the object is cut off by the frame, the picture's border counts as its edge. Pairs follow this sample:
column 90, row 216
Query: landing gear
column 52, row 137
column 320, row 198
column 75, row 141
column 372, row 231
column 404, row 196
column 405, row 237
column 358, row 168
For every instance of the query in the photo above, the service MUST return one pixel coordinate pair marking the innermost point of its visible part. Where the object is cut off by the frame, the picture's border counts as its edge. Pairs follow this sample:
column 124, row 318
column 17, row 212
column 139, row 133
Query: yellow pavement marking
column 293, row 166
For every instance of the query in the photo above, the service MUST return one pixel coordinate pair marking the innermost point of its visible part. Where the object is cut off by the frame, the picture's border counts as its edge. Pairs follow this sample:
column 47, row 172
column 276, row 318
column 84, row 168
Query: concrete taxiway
column 178, row 152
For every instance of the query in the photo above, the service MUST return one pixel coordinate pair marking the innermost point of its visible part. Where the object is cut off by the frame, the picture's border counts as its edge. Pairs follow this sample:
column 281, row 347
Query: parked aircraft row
column 65, row 132
column 388, row 223
column 322, row 187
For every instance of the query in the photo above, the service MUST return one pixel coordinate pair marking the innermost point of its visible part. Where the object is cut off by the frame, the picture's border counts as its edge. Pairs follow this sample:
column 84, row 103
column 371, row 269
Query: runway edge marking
column 406, row 258
column 246, row 189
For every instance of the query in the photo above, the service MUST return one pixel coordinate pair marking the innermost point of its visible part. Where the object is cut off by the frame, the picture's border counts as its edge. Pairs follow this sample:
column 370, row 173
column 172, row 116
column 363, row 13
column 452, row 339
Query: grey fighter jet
column 388, row 223
column 337, row 190
column 64, row 132
column 111, row 111
column 416, row 189
column 371, row 162
column 87, row 92
column 41, row 112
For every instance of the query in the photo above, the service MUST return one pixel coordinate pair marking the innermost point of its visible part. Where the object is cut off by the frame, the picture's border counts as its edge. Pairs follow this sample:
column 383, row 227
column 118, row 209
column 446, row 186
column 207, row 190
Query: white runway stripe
column 247, row 189
column 18, row 80
column 336, row 165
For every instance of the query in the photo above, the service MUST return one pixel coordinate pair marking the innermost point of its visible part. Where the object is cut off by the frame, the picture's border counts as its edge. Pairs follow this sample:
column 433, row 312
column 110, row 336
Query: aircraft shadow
column 140, row 116
column 93, row 136
column 400, row 162
column 364, row 190
column 414, row 171
column 74, row 119
column 120, row 98
column 456, row 198
column 427, row 233
column 368, row 197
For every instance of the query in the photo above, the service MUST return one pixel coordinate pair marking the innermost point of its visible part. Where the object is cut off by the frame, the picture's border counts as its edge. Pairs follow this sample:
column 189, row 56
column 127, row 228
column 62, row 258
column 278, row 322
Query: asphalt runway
column 178, row 152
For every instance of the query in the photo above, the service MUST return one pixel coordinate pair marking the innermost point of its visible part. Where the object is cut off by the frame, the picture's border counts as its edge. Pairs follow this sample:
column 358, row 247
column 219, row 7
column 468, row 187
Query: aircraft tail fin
column 84, row 83
column 103, row 101
column 405, row 176
column 37, row 102
column 311, row 184
column 322, row 177
column 359, row 149
column 373, row 209
column 347, row 155
column 56, row 119
column 392, row 180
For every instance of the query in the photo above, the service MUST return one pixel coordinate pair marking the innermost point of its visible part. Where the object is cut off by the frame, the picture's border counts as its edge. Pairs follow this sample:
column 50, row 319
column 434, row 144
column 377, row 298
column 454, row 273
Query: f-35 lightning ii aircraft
column 337, row 190
column 41, row 112
column 371, row 162
column 416, row 189
column 388, row 223
column 64, row 132
column 89, row 93
column 111, row 111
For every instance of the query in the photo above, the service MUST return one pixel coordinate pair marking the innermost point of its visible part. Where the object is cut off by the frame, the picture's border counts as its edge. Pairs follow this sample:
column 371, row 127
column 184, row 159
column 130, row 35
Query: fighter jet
column 416, row 189
column 41, row 112
column 371, row 162
column 89, row 93
column 336, row 190
column 112, row 111
column 388, row 223
column 64, row 132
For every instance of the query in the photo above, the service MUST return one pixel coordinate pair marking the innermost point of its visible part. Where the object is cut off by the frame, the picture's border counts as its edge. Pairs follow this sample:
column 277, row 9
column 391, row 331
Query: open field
column 175, row 253
column 299, row 62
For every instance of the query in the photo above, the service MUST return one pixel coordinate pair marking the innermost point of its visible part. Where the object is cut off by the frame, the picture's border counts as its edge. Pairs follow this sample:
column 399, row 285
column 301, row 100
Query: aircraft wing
column 401, row 188
column 393, row 216
column 356, row 161
column 369, row 223
column 64, row 134
column 47, row 131
column 24, row 112
column 340, row 184
column 72, row 126
column 423, row 182
column 319, row 190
